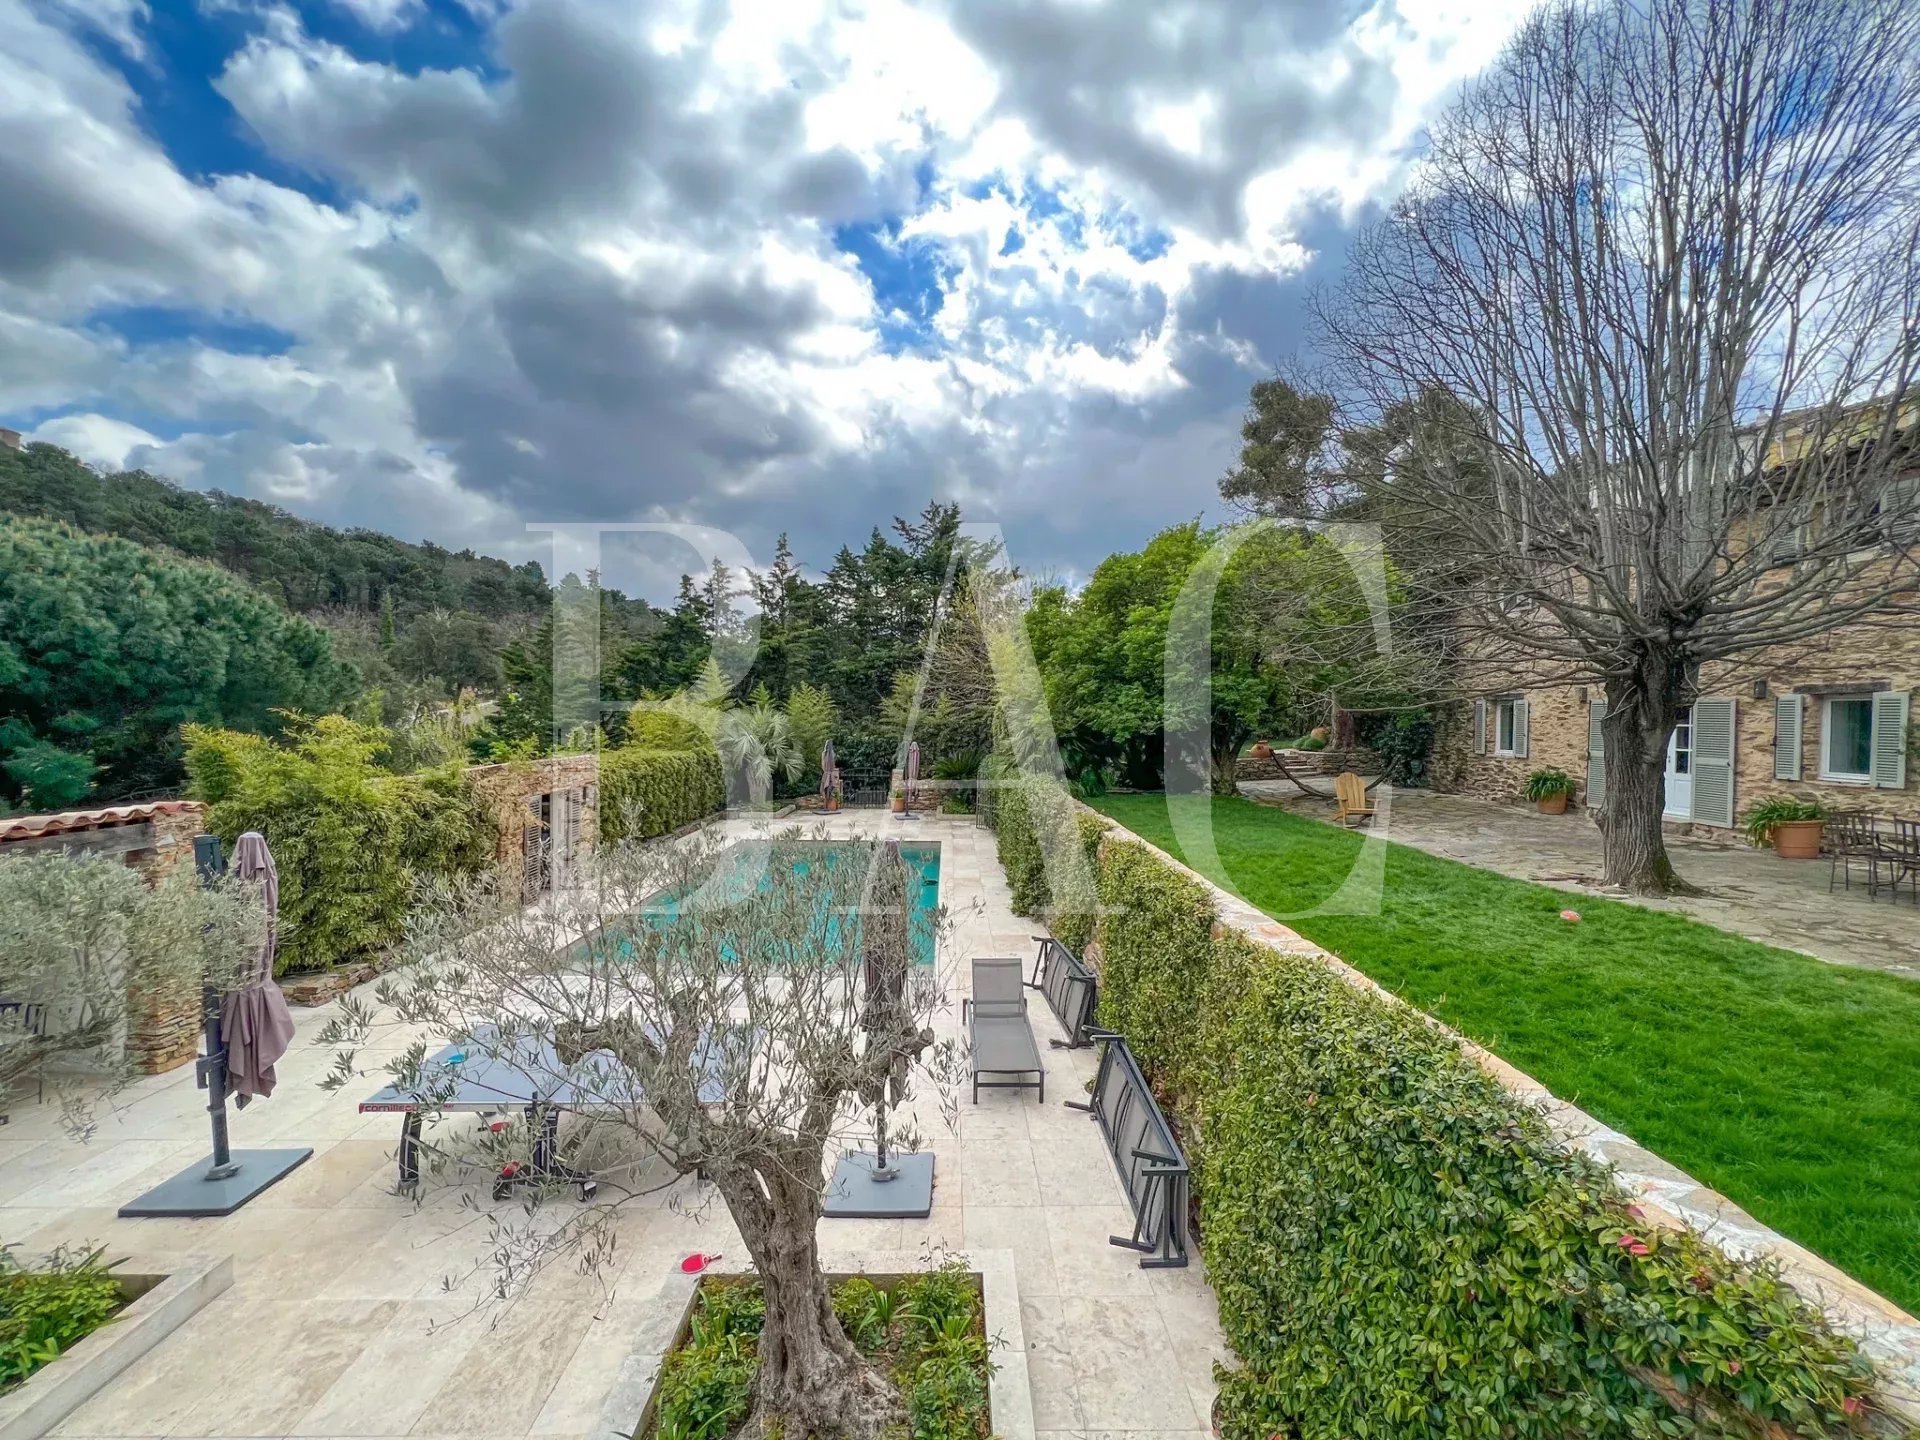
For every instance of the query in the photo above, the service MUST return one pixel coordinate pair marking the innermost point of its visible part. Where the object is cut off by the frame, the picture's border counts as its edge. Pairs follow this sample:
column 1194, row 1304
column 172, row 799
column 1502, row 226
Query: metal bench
column 1070, row 989
column 1153, row 1172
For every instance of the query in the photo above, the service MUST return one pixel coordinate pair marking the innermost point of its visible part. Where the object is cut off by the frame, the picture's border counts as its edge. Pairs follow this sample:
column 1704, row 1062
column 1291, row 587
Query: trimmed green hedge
column 1030, row 817
column 644, row 793
column 349, row 838
column 1398, row 1245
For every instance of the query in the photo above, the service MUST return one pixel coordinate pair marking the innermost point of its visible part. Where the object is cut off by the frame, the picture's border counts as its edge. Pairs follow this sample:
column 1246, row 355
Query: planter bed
column 154, row 1306
column 926, row 1332
column 654, row 1384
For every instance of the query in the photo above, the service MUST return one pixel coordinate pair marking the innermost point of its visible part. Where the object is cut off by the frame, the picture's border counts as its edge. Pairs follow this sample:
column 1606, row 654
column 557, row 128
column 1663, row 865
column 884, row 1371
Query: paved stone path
column 338, row 1322
column 1750, row 892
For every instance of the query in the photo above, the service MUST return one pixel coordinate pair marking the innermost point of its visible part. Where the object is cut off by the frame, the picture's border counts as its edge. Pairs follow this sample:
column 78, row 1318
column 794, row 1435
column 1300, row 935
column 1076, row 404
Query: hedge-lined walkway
column 1791, row 1086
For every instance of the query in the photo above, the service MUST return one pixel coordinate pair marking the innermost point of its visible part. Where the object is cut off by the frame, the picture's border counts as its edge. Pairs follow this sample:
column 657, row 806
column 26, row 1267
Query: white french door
column 1679, row 804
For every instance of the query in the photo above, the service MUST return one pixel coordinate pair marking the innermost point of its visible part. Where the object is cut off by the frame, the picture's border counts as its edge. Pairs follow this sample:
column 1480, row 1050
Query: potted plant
column 834, row 793
column 897, row 798
column 1792, row 826
column 1262, row 750
column 1550, row 789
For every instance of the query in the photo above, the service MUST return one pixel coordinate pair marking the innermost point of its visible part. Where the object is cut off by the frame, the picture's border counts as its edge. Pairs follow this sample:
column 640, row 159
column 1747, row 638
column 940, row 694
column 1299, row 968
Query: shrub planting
column 926, row 1333
column 50, row 1308
column 349, row 837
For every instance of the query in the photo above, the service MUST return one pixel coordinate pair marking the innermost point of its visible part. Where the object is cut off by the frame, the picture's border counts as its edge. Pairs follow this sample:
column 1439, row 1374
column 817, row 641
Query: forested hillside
column 411, row 617
column 109, row 647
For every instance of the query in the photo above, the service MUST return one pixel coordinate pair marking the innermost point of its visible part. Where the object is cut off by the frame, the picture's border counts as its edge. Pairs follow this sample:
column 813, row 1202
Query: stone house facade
column 1822, row 719
column 1825, row 720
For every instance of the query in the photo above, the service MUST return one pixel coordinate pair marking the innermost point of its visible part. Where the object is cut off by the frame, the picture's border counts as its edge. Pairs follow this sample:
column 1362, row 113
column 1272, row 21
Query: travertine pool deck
column 340, row 1322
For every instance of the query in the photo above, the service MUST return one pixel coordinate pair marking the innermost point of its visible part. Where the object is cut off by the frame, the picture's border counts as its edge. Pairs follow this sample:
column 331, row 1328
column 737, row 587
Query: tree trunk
column 1639, row 720
column 1223, row 770
column 812, row 1379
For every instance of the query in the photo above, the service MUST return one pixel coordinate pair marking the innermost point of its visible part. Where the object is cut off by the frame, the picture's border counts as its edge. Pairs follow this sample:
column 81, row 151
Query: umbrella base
column 853, row 1193
column 191, row 1193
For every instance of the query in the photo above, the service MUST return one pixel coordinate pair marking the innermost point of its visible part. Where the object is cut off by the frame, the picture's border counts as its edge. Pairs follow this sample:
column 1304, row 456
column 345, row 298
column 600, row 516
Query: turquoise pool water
column 748, row 864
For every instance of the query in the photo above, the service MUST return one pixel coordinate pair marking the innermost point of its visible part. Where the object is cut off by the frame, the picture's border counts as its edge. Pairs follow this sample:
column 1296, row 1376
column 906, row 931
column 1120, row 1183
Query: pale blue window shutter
column 1522, row 740
column 1714, row 736
column 1787, row 712
column 1890, row 740
column 1479, row 727
column 1596, row 758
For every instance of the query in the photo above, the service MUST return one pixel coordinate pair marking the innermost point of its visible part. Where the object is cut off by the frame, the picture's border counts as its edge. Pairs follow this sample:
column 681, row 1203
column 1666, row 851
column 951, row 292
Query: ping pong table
column 524, row 1073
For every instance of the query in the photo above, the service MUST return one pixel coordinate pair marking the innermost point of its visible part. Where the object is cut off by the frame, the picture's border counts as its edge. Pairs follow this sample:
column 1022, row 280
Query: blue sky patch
column 190, row 46
column 907, row 278
column 142, row 325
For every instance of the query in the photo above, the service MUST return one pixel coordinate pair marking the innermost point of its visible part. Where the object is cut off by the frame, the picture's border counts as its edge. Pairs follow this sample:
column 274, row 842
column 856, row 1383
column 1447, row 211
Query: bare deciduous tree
column 731, row 1011
column 1663, row 256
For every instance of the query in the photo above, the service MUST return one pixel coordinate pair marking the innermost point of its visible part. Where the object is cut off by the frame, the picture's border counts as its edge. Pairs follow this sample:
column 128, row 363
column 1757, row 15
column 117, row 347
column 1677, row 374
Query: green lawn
column 1791, row 1085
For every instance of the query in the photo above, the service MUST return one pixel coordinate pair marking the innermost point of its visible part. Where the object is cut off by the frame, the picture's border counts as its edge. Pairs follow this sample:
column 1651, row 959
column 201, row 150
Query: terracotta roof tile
column 32, row 827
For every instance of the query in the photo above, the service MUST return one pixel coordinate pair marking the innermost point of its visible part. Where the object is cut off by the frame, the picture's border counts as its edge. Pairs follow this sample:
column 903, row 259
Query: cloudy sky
column 450, row 267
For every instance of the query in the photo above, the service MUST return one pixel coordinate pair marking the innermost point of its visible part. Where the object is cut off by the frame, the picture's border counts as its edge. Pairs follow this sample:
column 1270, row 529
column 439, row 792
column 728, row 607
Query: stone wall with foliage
column 1405, row 1235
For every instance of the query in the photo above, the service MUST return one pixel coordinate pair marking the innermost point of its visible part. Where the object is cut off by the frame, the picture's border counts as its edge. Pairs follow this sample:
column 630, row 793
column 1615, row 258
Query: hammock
column 1319, row 794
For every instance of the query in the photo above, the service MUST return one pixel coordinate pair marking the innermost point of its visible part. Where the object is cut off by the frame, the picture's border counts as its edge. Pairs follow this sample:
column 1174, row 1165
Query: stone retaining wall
column 1889, row 1335
column 1310, row 763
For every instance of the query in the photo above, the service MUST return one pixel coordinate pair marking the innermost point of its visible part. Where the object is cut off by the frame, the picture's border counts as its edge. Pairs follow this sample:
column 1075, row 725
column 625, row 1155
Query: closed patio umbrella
column 829, row 770
column 913, row 772
column 255, row 1025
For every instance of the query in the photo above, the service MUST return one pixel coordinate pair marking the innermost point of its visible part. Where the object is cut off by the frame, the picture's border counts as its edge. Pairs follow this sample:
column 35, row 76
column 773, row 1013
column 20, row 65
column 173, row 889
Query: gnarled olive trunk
column 1641, row 710
column 811, row 1376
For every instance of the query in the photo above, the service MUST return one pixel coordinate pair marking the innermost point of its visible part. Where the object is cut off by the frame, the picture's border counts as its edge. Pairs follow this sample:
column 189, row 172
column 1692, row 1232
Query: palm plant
column 755, row 740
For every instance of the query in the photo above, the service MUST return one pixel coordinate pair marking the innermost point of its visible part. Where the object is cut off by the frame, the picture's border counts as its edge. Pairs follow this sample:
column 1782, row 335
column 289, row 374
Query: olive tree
column 86, row 944
column 731, row 1011
column 1661, row 261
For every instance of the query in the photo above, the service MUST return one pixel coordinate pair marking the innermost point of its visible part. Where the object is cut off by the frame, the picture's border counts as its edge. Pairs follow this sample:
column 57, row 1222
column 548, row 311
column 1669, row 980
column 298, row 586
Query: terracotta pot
column 1797, row 839
column 1320, row 732
column 898, row 804
column 1262, row 750
column 1553, row 804
column 833, row 804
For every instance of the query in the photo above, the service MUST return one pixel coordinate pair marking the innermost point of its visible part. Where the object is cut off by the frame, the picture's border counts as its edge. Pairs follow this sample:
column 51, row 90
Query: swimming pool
column 747, row 869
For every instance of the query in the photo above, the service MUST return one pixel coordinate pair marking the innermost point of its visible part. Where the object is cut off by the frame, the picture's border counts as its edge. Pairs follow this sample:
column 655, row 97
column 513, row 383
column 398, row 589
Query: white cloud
column 601, row 278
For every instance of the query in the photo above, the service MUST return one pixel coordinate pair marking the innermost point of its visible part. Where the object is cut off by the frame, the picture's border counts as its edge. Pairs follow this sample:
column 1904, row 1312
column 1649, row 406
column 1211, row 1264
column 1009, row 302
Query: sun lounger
column 999, row 1040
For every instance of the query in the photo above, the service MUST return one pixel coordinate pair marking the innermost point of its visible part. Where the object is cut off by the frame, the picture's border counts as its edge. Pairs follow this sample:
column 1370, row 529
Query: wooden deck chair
column 1350, row 794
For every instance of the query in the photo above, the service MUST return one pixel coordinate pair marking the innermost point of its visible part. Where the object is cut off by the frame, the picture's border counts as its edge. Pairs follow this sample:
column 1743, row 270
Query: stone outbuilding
column 163, row 1030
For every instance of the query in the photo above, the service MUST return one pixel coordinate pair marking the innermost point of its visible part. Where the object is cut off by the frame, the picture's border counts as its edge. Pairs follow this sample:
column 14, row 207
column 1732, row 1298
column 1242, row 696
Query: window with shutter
column 1789, row 537
column 1899, row 510
column 1890, row 740
column 1479, row 727
column 1786, row 737
column 1522, row 729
